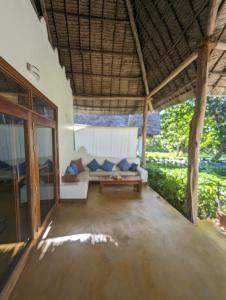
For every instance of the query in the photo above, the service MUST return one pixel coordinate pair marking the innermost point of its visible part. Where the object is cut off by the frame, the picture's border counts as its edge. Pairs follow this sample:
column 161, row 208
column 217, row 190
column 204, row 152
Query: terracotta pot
column 221, row 216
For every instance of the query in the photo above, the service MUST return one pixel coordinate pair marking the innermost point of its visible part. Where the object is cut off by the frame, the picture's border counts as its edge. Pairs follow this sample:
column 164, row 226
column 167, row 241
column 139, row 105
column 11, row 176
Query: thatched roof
column 97, row 47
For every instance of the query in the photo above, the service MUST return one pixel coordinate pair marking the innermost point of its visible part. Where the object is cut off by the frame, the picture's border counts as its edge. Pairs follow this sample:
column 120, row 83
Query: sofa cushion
column 22, row 168
column 123, row 165
column 75, row 168
column 79, row 164
column 94, row 165
column 4, row 166
column 70, row 170
column 107, row 166
column 47, row 166
column 84, row 176
column 133, row 167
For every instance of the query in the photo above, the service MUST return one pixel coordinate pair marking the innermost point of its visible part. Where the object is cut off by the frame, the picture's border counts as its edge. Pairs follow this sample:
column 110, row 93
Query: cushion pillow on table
column 79, row 164
column 75, row 168
column 133, row 167
column 107, row 166
column 94, row 165
column 124, row 165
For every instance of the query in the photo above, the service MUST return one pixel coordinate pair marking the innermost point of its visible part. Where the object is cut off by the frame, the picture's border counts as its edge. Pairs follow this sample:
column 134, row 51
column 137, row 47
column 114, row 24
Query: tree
column 175, row 126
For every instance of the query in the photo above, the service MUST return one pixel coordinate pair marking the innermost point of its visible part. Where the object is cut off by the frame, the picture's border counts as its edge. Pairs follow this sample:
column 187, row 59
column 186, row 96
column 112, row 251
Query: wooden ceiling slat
column 97, row 48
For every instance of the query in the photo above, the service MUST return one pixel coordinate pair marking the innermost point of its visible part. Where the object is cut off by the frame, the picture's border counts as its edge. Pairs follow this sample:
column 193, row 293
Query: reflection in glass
column 41, row 107
column 46, row 169
column 11, row 90
column 15, row 225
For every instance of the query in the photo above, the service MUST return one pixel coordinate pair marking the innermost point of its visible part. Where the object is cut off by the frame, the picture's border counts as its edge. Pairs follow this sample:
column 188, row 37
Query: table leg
column 101, row 188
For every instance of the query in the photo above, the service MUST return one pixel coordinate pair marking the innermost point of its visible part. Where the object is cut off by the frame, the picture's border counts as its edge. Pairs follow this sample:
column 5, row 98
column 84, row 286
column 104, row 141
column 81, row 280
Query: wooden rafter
column 138, row 46
column 175, row 73
column 107, row 98
column 87, row 50
column 86, row 17
column 147, row 104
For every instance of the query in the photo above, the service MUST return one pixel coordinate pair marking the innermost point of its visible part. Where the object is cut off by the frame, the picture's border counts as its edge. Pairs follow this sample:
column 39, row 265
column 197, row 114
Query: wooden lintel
column 108, row 98
column 174, row 73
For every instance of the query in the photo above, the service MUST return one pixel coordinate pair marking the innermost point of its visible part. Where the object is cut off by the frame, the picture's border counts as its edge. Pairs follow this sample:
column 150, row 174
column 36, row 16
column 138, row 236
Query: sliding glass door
column 46, row 168
column 15, row 222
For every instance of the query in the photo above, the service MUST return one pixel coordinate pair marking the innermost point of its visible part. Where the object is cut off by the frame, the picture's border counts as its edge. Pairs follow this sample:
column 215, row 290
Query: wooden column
column 196, row 133
column 144, row 132
column 144, row 77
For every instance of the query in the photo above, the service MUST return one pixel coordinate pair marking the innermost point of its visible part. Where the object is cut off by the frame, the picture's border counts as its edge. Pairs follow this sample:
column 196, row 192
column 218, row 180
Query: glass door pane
column 15, row 223
column 44, row 140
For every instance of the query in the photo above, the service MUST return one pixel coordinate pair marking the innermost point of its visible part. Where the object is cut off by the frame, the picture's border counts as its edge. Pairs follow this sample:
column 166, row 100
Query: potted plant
column 221, row 216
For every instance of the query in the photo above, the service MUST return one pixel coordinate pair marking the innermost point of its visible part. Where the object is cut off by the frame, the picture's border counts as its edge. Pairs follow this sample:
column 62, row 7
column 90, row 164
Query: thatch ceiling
column 96, row 45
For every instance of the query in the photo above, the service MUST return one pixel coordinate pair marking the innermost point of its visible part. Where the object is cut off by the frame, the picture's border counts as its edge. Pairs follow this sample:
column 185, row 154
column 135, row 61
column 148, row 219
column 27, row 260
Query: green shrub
column 170, row 182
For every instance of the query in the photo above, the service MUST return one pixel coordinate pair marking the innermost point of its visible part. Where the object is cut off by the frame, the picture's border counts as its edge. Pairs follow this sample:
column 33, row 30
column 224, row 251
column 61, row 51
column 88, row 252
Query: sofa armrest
column 143, row 174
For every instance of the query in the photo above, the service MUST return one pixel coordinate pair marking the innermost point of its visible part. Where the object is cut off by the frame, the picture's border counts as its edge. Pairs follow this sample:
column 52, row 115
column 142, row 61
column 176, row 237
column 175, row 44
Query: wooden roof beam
column 138, row 46
column 87, row 17
column 86, row 50
column 174, row 73
column 220, row 46
column 108, row 98
column 104, row 75
column 147, row 102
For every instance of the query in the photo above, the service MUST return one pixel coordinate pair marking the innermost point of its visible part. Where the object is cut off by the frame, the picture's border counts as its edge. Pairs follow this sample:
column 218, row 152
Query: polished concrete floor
column 122, row 246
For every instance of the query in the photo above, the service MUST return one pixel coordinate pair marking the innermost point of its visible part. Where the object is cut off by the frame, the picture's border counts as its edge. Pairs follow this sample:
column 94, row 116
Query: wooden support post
column 144, row 132
column 196, row 133
column 147, row 104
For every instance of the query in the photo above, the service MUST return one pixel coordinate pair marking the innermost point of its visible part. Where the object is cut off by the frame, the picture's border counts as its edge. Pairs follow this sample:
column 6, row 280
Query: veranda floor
column 123, row 246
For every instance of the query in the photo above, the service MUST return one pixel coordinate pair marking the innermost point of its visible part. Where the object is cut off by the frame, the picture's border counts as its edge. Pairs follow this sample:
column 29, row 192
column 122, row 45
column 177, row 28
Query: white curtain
column 11, row 135
column 107, row 141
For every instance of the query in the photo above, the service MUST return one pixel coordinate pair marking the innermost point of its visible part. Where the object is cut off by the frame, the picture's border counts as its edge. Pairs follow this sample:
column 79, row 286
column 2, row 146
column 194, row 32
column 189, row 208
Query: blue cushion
column 107, row 166
column 70, row 170
column 49, row 164
column 94, row 165
column 22, row 168
column 4, row 165
column 133, row 167
column 75, row 168
column 124, row 165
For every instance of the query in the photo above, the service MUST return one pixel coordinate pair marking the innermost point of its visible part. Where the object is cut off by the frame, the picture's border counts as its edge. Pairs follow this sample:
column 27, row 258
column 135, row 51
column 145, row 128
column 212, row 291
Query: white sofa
column 79, row 190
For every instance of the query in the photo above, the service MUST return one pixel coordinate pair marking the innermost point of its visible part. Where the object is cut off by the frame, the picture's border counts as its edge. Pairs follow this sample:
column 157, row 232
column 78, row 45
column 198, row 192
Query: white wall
column 102, row 141
column 24, row 39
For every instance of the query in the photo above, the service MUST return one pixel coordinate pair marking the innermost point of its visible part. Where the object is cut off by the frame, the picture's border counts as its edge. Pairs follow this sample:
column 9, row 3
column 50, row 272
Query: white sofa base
column 79, row 190
column 74, row 190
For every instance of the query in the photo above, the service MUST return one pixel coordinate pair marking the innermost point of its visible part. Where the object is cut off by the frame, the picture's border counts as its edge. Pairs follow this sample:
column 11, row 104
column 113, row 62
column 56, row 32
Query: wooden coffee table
column 134, row 181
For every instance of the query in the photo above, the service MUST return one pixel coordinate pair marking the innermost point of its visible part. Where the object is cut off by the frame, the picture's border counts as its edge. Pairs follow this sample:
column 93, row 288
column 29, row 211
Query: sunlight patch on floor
column 50, row 244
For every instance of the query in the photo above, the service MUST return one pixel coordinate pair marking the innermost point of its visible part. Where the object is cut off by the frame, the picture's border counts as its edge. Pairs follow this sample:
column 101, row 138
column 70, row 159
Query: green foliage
column 170, row 182
column 175, row 127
